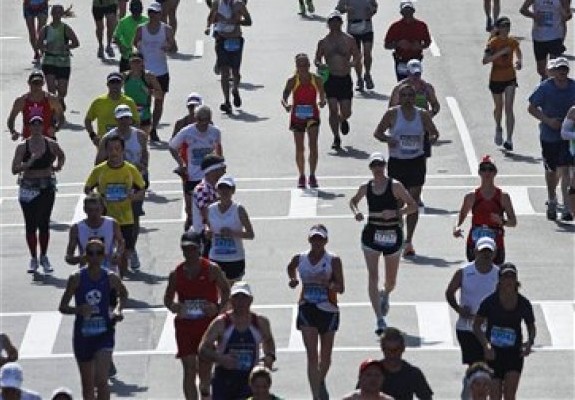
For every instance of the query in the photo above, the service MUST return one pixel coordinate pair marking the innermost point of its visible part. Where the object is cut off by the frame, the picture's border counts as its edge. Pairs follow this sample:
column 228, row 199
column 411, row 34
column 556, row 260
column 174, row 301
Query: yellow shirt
column 114, row 184
column 102, row 109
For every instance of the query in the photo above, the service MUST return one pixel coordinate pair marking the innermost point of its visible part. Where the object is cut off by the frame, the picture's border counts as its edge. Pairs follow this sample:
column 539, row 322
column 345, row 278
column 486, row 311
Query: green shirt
column 126, row 32
column 56, row 53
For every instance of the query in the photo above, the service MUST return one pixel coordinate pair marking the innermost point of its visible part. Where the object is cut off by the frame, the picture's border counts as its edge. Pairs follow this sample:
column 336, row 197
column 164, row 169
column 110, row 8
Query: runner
column 502, row 341
column 11, row 378
column 229, row 225
column 93, row 338
column 202, row 291
column 371, row 376
column 338, row 51
column 503, row 80
column 491, row 209
column 383, row 233
column 34, row 163
column 479, row 381
column 141, row 86
column 305, row 88
column 233, row 342
column 55, row 41
column 154, row 40
column 170, row 16
column 474, row 281
column 407, row 37
column 102, row 108
column 119, row 183
column 35, row 15
column 321, row 275
column 550, row 103
column 407, row 126
column 36, row 102
column 359, row 25
column 228, row 16
column 491, row 13
column 107, row 9
column 8, row 353
column 568, row 133
column 125, row 32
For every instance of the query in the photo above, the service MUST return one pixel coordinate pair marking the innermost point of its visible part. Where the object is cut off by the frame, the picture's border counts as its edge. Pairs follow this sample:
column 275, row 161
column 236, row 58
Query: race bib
column 314, row 293
column 244, row 358
column 194, row 309
column 116, row 192
column 224, row 245
column 303, row 111
column 544, row 19
column 357, row 27
column 26, row 195
column 94, row 326
column 409, row 143
column 401, row 68
column 199, row 154
column 232, row 44
column 385, row 238
column 482, row 231
column 503, row 337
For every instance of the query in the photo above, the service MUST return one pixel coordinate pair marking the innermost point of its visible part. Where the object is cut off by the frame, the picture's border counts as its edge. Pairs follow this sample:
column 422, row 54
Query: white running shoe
column 33, row 267
column 45, row 263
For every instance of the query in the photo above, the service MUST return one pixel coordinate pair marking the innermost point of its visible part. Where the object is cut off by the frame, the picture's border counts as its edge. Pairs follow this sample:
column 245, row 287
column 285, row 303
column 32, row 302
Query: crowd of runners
column 226, row 350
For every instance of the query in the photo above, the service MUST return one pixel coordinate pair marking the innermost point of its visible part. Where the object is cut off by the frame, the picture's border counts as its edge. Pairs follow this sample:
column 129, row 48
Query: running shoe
column 359, row 85
column 508, row 145
column 344, row 125
column 323, row 394
column 384, row 302
column 112, row 372
column 226, row 107
column 33, row 267
column 313, row 182
column 110, row 51
column 336, row 145
column 45, row 263
column 154, row 135
column 381, row 325
column 135, row 262
column 368, row 81
column 302, row 9
column 489, row 24
column 498, row 138
column 310, row 6
column 409, row 251
column 566, row 216
column 237, row 98
column 100, row 52
column 552, row 210
column 301, row 182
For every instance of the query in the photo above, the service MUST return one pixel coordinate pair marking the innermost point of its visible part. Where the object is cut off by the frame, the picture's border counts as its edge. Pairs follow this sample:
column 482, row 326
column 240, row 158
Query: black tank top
column 44, row 161
column 380, row 202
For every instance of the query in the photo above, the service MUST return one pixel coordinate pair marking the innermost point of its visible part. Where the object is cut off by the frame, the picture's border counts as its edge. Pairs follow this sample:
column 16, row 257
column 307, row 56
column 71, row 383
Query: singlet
column 56, row 53
column 482, row 208
column 35, row 108
column 104, row 232
column 137, row 88
column 547, row 24
column 204, row 195
column 305, row 99
column 226, row 10
column 45, row 161
column 194, row 292
column 244, row 345
column 502, row 69
column 409, row 134
column 380, row 202
column 96, row 294
column 132, row 146
column 225, row 248
column 312, row 275
column 475, row 287
column 155, row 59
column 199, row 145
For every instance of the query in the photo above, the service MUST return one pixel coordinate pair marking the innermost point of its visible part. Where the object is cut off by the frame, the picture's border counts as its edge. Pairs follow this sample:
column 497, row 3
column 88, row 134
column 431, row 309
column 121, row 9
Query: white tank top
column 225, row 248
column 547, row 23
column 313, row 278
column 155, row 59
column 105, row 232
column 475, row 287
column 409, row 134
column 132, row 146
column 225, row 9
column 199, row 144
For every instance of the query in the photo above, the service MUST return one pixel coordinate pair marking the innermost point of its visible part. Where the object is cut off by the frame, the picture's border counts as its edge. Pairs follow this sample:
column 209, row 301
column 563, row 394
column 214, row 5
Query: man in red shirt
column 407, row 38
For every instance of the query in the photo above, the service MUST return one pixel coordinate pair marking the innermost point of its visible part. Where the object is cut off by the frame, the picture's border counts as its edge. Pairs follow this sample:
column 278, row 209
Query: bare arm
column 319, row 54
column 72, row 245
column 9, row 348
column 511, row 219
column 145, row 156
column 268, row 343
column 432, row 99
column 119, row 238
column 355, row 54
column 170, row 295
column 337, row 281
column 354, row 201
column 17, row 108
column 525, row 9
column 222, row 284
column 292, row 271
column 429, row 126
column 73, row 41
column 206, row 348
column 386, row 122
column 453, row 286
column 466, row 206
column 248, row 231
column 60, row 156
column 290, row 83
column 116, row 283
column 101, row 154
column 400, row 192
column 17, row 162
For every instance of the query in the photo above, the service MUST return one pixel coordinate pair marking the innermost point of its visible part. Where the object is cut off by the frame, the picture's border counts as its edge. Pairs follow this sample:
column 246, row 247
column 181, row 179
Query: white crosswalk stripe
column 435, row 329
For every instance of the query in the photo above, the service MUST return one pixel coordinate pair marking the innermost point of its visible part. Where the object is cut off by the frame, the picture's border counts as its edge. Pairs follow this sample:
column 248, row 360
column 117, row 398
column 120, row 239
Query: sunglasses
column 202, row 119
column 37, row 82
column 36, row 122
column 487, row 169
column 93, row 253
column 377, row 164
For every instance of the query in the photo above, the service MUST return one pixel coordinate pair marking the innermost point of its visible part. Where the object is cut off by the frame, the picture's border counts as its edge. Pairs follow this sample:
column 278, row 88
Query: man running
column 340, row 53
column 105, row 9
column 125, row 32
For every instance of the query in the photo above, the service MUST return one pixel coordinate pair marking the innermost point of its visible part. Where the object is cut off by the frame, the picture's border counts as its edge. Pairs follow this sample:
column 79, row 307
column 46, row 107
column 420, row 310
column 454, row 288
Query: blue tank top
column 97, row 294
column 243, row 345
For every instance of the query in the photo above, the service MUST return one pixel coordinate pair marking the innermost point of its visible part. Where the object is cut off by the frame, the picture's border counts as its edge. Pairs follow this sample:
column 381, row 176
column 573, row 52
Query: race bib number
column 26, row 195
column 482, row 231
column 303, row 111
column 224, row 245
column 385, row 238
column 194, row 309
column 244, row 358
column 199, row 154
column 315, row 293
column 401, row 68
column 232, row 44
column 409, row 143
column 503, row 337
column 116, row 192
column 94, row 326
column 544, row 19
column 357, row 27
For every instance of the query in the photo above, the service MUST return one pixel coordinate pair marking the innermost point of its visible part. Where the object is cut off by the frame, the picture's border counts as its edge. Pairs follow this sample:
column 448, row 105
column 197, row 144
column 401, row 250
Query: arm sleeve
column 422, row 389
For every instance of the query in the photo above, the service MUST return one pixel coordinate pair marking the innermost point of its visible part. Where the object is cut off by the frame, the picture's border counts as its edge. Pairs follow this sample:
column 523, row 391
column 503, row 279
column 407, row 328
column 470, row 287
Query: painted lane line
column 559, row 319
column 464, row 133
column 79, row 213
column 434, row 49
column 10, row 37
column 434, row 325
column 167, row 340
column 520, row 199
column 199, row 51
column 40, row 334
column 295, row 339
column 303, row 203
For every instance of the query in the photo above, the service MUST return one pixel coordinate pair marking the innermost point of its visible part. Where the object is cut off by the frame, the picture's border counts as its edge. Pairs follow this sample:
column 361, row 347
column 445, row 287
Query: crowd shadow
column 49, row 280
column 182, row 56
column 350, row 152
column 59, row 226
column 565, row 227
column 322, row 194
column 371, row 95
column 250, row 86
column 437, row 211
column 158, row 198
column 123, row 389
column 140, row 304
column 246, row 117
column 110, row 61
column 145, row 277
column 313, row 18
column 520, row 157
column 161, row 145
column 441, row 142
column 70, row 126
column 423, row 260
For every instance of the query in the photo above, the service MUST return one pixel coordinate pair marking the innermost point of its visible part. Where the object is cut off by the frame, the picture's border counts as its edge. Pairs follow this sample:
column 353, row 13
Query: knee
column 389, row 285
column 312, row 358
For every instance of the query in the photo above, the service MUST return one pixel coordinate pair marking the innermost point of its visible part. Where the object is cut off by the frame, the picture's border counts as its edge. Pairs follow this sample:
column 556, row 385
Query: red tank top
column 482, row 208
column 304, row 94
column 199, row 287
column 34, row 108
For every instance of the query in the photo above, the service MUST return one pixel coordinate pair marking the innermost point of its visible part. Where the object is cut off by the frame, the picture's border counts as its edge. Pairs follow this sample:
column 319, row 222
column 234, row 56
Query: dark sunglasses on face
column 93, row 253
column 487, row 169
column 37, row 122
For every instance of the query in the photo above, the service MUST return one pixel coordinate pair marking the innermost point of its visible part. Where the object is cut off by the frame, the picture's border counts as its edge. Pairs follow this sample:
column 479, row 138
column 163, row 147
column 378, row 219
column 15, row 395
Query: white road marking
column 560, row 323
column 295, row 338
column 303, row 203
column 9, row 37
column 79, row 213
column 167, row 340
column 434, row 325
column 434, row 49
column 40, row 334
column 520, row 199
column 183, row 214
column 464, row 133
column 199, row 51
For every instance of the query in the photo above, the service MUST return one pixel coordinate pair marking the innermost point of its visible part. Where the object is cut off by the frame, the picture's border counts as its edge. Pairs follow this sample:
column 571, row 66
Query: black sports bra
column 44, row 161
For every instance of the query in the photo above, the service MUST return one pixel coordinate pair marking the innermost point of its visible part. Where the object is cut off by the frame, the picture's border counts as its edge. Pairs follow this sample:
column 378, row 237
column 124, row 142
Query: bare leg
column 299, row 151
column 313, row 133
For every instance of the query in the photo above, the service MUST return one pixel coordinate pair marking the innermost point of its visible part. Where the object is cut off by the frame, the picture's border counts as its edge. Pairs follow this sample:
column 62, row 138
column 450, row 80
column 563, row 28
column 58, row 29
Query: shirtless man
column 340, row 53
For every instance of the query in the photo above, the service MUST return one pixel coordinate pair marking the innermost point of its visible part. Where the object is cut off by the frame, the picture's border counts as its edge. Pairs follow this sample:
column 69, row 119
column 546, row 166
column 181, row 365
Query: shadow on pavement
column 313, row 18
column 246, row 117
column 369, row 94
column 412, row 340
column 422, row 260
column 146, row 277
column 158, row 199
column 351, row 152
column 70, row 126
column 438, row 211
column 565, row 227
column 122, row 389
column 328, row 195
column 250, row 86
column 441, row 142
column 161, row 145
column 521, row 157
column 59, row 226
column 182, row 56
column 110, row 61
column 42, row 279
column 140, row 304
